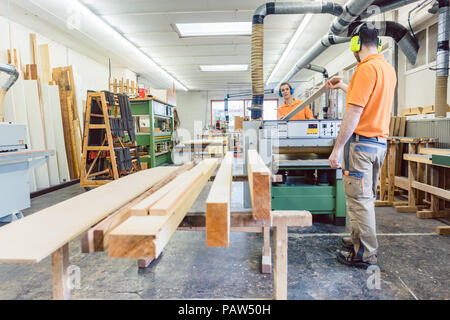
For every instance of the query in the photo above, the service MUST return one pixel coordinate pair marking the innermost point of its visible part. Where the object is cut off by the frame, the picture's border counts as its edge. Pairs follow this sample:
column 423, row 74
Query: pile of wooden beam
column 145, row 236
column 218, row 205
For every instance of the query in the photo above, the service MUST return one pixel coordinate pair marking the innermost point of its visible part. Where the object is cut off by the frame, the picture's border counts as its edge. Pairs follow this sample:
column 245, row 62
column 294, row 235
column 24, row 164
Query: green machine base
column 318, row 199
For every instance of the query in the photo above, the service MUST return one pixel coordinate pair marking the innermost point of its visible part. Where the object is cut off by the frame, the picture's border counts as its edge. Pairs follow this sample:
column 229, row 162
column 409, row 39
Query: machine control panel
column 301, row 129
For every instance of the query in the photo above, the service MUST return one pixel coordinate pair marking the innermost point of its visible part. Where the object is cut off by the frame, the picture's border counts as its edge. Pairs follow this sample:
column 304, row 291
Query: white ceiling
column 148, row 24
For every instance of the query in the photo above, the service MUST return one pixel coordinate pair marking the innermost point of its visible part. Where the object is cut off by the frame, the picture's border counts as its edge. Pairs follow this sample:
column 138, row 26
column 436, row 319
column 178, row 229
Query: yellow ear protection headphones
column 355, row 44
column 281, row 96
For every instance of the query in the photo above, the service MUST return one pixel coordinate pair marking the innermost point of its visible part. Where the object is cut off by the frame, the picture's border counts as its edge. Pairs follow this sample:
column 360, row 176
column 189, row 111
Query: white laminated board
column 50, row 133
column 36, row 129
column 20, row 107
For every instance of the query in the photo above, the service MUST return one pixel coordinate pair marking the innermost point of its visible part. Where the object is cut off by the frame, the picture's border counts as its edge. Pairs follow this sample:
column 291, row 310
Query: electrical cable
column 409, row 19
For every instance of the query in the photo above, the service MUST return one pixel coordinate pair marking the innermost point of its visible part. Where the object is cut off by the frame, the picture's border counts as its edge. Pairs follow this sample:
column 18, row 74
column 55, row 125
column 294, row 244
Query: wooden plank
column 406, row 209
column 280, row 240
column 142, row 208
column 397, row 126
column 218, row 205
column 259, row 183
column 36, row 130
column 438, row 192
column 60, row 77
column 431, row 151
column 102, row 230
column 36, row 236
column 293, row 218
column 33, row 48
column 380, row 203
column 46, row 70
column 306, row 103
column 391, row 126
column 402, row 131
column 146, row 236
column 401, row 182
column 417, row 158
column 443, row 230
column 167, row 204
column 50, row 135
column 56, row 123
column 266, row 261
column 60, row 263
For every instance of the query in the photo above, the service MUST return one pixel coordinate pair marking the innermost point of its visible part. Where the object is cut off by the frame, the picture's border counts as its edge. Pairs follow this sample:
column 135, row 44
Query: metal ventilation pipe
column 399, row 33
column 327, row 41
column 442, row 59
column 385, row 6
column 387, row 28
column 352, row 10
column 14, row 74
column 317, row 68
column 258, row 39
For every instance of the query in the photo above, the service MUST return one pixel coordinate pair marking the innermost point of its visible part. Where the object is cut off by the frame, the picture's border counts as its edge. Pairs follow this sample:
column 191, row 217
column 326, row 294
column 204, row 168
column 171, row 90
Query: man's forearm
column 344, row 87
column 348, row 126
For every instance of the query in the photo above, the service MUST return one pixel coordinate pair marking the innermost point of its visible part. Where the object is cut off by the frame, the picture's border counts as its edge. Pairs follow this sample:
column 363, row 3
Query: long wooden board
column 146, row 236
column 63, row 167
column 431, row 151
column 259, row 184
column 438, row 192
column 166, row 205
column 50, row 134
column 36, row 130
column 36, row 236
column 142, row 208
column 101, row 231
column 218, row 205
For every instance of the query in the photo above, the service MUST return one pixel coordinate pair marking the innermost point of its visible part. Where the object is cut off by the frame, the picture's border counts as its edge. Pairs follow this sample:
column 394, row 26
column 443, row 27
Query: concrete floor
column 414, row 264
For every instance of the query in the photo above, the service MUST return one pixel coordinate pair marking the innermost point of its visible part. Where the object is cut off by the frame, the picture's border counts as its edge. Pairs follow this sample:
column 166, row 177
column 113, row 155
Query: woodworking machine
column 15, row 161
column 297, row 153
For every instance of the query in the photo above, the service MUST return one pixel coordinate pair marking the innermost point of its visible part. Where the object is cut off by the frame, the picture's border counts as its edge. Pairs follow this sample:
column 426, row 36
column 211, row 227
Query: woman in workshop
column 290, row 103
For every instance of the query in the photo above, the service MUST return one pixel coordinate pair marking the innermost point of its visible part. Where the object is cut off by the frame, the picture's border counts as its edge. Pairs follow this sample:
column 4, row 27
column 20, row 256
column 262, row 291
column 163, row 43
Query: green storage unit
column 158, row 114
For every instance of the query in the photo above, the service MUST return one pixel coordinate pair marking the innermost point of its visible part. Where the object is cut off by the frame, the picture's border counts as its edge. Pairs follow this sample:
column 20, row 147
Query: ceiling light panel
column 224, row 68
column 214, row 29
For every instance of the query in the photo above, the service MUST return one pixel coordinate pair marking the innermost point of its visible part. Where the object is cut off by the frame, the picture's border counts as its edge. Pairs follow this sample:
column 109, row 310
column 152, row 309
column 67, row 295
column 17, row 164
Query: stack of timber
column 35, row 237
column 429, row 195
column 34, row 101
column 97, row 237
column 63, row 76
column 218, row 205
column 145, row 236
column 259, row 183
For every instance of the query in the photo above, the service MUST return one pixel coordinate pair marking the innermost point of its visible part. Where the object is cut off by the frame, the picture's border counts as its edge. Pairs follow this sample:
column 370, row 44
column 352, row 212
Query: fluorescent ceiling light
column 214, row 29
column 291, row 44
column 95, row 20
column 225, row 67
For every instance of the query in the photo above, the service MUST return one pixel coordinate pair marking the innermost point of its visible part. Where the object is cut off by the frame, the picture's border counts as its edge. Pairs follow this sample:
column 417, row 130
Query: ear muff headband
column 281, row 96
column 355, row 43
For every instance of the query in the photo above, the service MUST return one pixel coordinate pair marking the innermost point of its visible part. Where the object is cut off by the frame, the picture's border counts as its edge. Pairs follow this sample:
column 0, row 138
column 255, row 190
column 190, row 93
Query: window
column 239, row 108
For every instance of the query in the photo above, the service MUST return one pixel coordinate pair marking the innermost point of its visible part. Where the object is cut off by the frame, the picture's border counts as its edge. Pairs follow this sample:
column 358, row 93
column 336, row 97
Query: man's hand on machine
column 334, row 159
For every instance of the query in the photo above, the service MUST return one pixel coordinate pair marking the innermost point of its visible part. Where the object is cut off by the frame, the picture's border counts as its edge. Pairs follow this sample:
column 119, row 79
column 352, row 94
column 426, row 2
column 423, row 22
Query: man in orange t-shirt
column 362, row 140
column 290, row 103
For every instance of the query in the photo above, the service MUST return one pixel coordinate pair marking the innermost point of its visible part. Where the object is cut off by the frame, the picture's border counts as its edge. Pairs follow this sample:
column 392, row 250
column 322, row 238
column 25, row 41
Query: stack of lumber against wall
column 33, row 238
column 259, row 184
column 218, row 205
column 146, row 236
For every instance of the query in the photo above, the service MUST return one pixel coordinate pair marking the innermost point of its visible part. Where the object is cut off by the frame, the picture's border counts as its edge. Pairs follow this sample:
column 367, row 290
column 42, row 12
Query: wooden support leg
column 266, row 265
column 60, row 263
column 144, row 263
column 280, row 237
